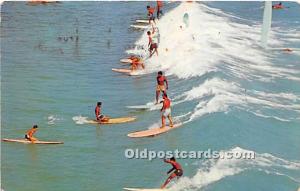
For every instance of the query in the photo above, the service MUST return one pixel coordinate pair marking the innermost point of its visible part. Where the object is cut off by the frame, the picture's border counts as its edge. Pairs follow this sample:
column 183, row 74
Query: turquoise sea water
column 47, row 78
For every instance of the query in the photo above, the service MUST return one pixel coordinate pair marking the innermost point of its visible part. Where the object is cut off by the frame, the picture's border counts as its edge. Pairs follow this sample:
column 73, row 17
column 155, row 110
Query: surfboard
column 25, row 141
column 139, row 26
column 149, row 106
column 113, row 120
column 125, row 71
column 144, row 189
column 142, row 21
column 153, row 132
column 126, row 61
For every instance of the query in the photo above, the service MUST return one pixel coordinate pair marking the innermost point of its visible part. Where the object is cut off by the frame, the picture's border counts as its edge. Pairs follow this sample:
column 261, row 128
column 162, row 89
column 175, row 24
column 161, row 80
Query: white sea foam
column 52, row 119
column 217, row 42
column 211, row 171
column 80, row 119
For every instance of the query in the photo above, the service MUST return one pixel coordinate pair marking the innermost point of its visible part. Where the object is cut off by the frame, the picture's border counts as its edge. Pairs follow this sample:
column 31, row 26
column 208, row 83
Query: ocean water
column 231, row 95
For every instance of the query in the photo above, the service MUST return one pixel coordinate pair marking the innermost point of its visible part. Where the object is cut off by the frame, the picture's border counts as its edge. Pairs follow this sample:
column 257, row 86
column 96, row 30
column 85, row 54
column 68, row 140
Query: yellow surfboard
column 153, row 132
column 113, row 120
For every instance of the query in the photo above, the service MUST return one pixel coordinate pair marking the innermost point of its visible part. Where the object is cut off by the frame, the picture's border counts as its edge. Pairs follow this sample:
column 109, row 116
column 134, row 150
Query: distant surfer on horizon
column 161, row 81
column 152, row 43
column 278, row 6
column 166, row 111
column 176, row 171
column 159, row 5
column 99, row 116
column 150, row 14
column 29, row 134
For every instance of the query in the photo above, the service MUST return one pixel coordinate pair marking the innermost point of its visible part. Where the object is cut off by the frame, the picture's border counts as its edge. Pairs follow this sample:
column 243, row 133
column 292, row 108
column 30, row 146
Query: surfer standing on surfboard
column 100, row 117
column 151, row 11
column 177, row 171
column 161, row 80
column 166, row 111
column 29, row 134
column 159, row 10
column 152, row 44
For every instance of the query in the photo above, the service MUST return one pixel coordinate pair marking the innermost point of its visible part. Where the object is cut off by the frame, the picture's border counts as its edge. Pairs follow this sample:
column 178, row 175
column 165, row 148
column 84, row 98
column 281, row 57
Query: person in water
column 161, row 81
column 176, row 171
column 278, row 6
column 166, row 111
column 159, row 5
column 29, row 134
column 152, row 44
column 99, row 116
column 151, row 11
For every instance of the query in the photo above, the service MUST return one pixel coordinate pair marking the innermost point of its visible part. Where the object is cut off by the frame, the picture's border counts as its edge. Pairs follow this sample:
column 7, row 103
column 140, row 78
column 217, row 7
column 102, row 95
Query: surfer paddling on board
column 166, row 111
column 151, row 11
column 176, row 171
column 161, row 80
column 29, row 134
column 100, row 117
column 159, row 5
column 278, row 6
column 152, row 44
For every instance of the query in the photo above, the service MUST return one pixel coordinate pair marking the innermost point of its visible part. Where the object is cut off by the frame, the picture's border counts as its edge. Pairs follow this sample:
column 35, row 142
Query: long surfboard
column 153, row 132
column 149, row 106
column 125, row 71
column 139, row 26
column 142, row 21
column 113, row 120
column 144, row 189
column 126, row 61
column 25, row 141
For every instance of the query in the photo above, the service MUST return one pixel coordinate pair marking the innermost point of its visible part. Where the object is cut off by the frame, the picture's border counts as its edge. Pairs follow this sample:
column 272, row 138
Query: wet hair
column 172, row 159
column 160, row 72
column 280, row 3
column 99, row 103
column 165, row 94
column 35, row 126
column 148, row 6
column 148, row 33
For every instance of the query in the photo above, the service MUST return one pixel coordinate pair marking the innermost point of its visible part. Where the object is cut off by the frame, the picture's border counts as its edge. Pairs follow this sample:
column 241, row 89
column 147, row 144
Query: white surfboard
column 126, row 61
column 142, row 21
column 145, row 189
column 139, row 26
column 126, row 71
column 148, row 106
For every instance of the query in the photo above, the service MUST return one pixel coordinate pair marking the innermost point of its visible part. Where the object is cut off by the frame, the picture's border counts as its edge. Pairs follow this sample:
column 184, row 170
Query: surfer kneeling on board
column 278, row 6
column 161, row 80
column 100, row 117
column 152, row 44
column 166, row 111
column 151, row 11
column 136, row 62
column 177, row 171
column 29, row 134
